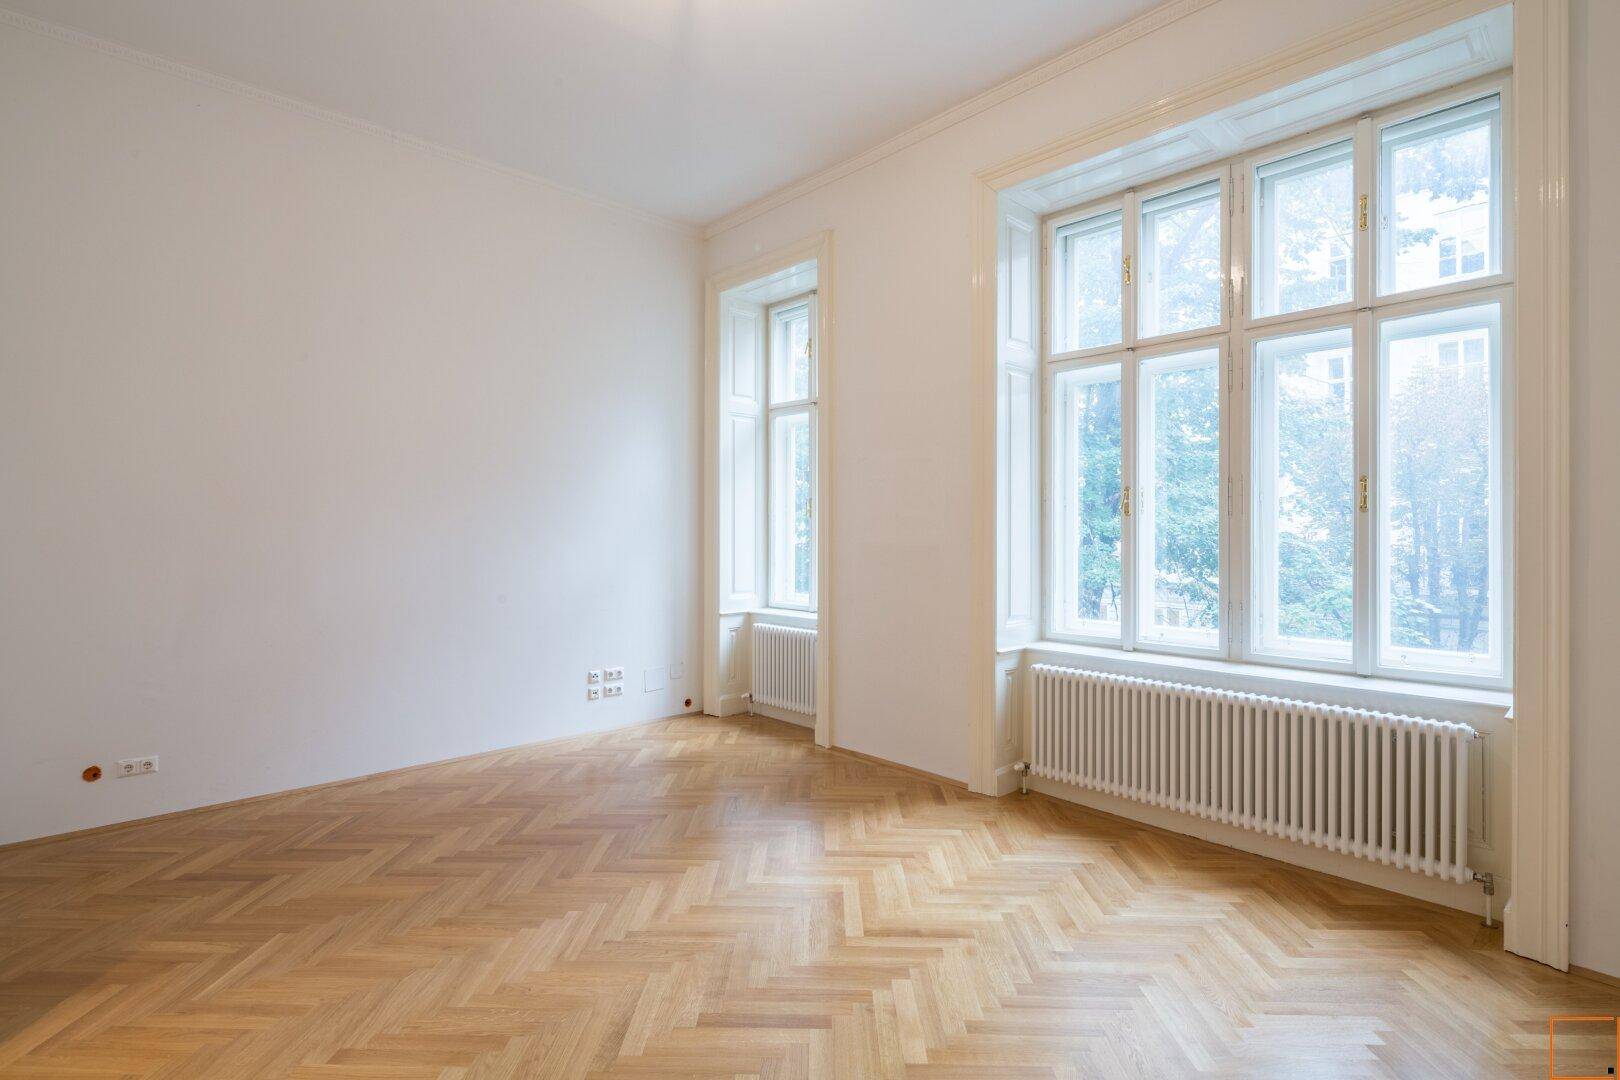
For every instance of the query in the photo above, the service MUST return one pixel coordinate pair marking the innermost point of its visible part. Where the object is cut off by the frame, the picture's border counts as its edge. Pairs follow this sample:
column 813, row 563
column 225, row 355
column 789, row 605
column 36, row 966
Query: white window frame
column 773, row 410
column 1221, row 174
column 1501, row 231
column 1057, row 292
column 1236, row 336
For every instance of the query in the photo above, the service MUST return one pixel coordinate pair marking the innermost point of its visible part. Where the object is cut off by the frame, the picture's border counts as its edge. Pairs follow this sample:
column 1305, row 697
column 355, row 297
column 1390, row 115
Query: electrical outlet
column 615, row 674
column 614, row 690
column 593, row 677
column 593, row 693
column 135, row 766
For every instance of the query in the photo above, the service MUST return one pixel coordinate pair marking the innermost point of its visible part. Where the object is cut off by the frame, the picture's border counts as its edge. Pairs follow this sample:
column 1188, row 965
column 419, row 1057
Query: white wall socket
column 614, row 690
column 593, row 693
column 136, row 766
column 615, row 674
column 594, row 676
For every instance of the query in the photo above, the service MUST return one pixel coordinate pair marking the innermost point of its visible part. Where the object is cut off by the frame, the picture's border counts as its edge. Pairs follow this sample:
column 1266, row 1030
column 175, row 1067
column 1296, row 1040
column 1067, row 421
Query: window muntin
column 1180, row 504
column 790, row 474
column 1089, row 436
column 1090, row 292
column 1440, row 504
column 1304, row 231
column 1441, row 194
column 1472, row 271
column 1304, row 481
column 1182, row 287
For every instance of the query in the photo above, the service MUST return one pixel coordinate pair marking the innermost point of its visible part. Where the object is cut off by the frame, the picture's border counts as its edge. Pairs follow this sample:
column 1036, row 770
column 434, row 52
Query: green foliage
column 1440, row 505
column 1314, row 497
column 1187, row 494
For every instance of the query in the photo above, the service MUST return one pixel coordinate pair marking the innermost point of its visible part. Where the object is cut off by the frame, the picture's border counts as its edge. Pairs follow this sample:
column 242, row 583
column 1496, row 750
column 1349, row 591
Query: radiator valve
column 1023, row 778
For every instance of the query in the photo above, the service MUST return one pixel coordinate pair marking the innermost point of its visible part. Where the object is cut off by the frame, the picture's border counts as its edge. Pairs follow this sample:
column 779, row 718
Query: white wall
column 1595, row 460
column 319, row 454
column 902, row 422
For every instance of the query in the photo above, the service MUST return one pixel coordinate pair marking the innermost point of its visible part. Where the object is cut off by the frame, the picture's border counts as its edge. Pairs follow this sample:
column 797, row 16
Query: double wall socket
column 136, row 766
column 613, row 677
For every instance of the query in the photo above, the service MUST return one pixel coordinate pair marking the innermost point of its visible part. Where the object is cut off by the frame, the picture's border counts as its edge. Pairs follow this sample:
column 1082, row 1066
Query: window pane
column 1090, row 478
column 1304, row 487
column 1442, row 198
column 1180, row 516
column 1440, row 504
column 1181, row 260
column 792, row 529
column 1089, row 293
column 790, row 354
column 1304, row 228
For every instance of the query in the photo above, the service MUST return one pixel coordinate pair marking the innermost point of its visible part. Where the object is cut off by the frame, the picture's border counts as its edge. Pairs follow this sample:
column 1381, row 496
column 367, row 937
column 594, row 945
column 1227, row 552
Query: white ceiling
column 684, row 108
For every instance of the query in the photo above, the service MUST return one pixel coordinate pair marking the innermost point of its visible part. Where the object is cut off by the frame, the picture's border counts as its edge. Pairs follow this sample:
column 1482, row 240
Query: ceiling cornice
column 1139, row 27
column 72, row 36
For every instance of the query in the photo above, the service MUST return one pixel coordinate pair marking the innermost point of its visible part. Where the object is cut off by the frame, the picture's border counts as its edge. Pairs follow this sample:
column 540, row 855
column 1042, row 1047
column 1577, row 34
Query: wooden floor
column 720, row 898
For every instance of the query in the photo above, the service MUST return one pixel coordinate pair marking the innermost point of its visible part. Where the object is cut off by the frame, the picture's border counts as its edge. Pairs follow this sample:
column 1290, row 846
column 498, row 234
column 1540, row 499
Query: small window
column 1304, row 496
column 1442, row 198
column 1304, row 231
column 1179, row 522
column 1089, row 304
column 1181, row 261
column 1089, row 474
column 1440, row 506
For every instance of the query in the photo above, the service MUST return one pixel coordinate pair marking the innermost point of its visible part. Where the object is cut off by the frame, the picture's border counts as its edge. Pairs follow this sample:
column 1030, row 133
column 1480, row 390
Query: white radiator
column 784, row 672
column 1389, row 788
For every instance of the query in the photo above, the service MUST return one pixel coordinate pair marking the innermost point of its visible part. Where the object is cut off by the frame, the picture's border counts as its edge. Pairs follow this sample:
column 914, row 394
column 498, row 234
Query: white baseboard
column 1007, row 779
column 731, row 705
column 1449, row 894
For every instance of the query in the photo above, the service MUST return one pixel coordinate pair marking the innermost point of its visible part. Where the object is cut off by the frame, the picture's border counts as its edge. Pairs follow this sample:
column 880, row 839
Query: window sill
column 1467, row 704
column 784, row 616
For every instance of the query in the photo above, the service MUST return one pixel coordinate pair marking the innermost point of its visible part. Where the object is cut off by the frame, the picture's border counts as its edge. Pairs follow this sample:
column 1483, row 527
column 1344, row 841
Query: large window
column 1275, row 413
column 791, row 438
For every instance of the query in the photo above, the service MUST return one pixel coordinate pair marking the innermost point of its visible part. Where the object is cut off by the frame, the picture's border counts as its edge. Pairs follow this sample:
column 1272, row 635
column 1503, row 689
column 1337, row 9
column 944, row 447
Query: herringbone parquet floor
column 720, row 898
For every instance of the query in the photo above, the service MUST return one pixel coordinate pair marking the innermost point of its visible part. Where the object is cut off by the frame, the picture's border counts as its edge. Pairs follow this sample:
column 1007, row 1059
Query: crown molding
column 1084, row 53
column 72, row 36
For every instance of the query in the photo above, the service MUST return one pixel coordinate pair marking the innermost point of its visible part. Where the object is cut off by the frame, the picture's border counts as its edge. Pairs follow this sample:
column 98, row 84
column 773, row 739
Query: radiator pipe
column 1488, row 881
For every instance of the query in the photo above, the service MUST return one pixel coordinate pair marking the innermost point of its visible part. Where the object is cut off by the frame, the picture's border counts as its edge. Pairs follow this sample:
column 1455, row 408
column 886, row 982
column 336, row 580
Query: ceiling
column 687, row 109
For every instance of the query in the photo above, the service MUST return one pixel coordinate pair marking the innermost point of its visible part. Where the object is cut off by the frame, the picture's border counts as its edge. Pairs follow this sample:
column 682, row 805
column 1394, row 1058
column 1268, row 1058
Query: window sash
column 1265, row 635
column 1265, row 174
column 776, row 546
column 1170, row 199
column 1406, row 131
column 1066, row 324
column 1149, row 366
column 1241, row 443
column 1065, row 564
column 1489, row 310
